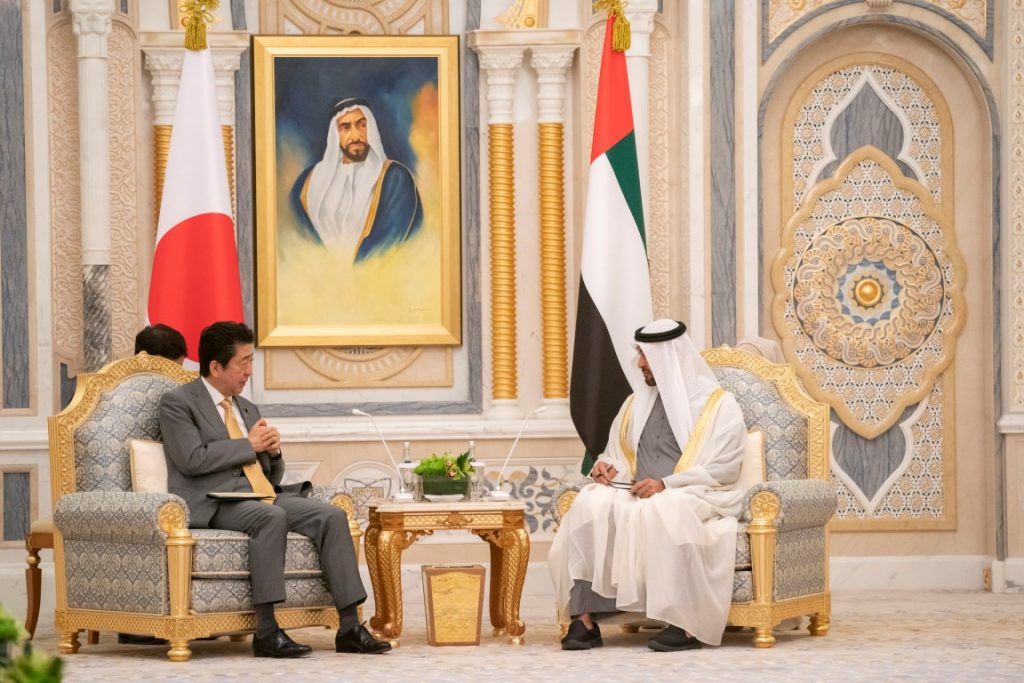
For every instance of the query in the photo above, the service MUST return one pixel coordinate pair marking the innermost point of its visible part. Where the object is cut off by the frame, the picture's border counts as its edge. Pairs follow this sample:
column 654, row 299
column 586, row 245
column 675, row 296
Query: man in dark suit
column 216, row 441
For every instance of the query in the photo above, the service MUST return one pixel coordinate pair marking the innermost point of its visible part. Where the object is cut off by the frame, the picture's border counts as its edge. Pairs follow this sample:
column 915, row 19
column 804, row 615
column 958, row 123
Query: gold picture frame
column 358, row 237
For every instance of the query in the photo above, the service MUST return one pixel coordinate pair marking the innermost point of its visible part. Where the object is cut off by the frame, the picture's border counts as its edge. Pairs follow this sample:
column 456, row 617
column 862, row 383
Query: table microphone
column 402, row 494
column 497, row 493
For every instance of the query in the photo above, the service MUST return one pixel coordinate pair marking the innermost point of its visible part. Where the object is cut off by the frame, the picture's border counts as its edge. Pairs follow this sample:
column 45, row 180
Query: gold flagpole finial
column 620, row 30
column 196, row 15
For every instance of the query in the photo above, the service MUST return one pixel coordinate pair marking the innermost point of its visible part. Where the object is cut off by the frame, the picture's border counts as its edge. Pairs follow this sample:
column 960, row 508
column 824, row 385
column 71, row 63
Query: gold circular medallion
column 867, row 292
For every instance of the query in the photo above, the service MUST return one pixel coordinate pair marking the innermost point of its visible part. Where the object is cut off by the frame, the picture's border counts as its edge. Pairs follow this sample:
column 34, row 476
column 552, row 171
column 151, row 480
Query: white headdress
column 339, row 194
column 684, row 380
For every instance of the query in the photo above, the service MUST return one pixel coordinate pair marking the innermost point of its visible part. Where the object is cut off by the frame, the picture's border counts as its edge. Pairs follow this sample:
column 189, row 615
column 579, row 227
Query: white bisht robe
column 671, row 556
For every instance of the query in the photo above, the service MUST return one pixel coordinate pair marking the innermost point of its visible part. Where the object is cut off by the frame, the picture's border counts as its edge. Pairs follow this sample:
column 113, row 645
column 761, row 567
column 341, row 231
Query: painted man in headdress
column 355, row 199
column 656, row 532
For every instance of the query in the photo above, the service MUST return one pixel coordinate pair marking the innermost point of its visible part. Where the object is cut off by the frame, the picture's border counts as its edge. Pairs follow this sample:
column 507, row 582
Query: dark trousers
column 268, row 527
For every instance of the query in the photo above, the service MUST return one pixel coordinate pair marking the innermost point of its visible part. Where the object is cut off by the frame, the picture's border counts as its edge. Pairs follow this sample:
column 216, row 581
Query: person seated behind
column 656, row 531
column 216, row 441
column 161, row 340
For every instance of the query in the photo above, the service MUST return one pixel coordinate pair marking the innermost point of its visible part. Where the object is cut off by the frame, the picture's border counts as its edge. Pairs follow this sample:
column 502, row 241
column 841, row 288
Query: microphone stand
column 402, row 496
column 497, row 493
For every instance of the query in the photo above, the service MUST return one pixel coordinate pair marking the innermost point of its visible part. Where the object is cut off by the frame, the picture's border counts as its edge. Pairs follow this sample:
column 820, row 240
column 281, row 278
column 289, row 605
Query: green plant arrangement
column 26, row 666
column 445, row 474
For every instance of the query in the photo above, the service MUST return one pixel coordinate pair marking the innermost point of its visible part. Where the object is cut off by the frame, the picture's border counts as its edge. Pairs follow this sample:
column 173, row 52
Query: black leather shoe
column 360, row 641
column 132, row 639
column 673, row 639
column 278, row 644
column 579, row 637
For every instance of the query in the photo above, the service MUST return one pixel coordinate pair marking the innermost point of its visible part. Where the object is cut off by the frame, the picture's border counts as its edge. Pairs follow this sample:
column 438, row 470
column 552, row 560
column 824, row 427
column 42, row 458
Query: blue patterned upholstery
column 743, row 586
column 222, row 554
column 799, row 563
column 235, row 595
column 128, row 411
column 742, row 546
column 784, row 427
column 802, row 504
column 122, row 577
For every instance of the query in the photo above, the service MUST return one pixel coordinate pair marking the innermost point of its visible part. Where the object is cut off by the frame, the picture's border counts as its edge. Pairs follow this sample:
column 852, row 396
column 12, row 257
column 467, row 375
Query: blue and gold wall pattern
column 868, row 282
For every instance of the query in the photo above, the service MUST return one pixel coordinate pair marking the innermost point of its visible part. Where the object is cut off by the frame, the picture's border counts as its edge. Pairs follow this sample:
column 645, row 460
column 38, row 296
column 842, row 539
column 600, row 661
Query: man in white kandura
column 656, row 532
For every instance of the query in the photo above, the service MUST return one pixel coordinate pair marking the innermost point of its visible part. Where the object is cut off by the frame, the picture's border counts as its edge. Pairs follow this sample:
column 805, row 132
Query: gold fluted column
column 503, row 260
column 552, row 260
column 161, row 145
column 501, row 64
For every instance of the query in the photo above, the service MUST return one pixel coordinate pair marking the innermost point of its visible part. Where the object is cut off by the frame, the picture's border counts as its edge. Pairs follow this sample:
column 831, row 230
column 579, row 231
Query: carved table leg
column 497, row 597
column 372, row 542
column 389, row 565
column 33, row 583
column 819, row 625
column 516, row 545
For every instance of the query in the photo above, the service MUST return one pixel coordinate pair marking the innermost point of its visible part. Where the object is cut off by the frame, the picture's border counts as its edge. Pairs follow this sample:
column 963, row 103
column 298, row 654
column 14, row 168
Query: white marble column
column 552, row 64
column 91, row 23
column 501, row 65
column 638, row 59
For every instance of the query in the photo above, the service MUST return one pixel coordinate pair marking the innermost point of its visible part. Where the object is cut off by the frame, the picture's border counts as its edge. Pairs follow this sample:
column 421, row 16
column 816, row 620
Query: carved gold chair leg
column 238, row 638
column 630, row 628
column 819, row 625
column 179, row 651
column 763, row 637
column 67, row 642
column 92, row 637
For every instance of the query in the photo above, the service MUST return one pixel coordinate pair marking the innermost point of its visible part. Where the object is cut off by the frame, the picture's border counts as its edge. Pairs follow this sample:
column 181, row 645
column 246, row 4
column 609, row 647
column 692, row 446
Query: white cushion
column 149, row 467
column 752, row 469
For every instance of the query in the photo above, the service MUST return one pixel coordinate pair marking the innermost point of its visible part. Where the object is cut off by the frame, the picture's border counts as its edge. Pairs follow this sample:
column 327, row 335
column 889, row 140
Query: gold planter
column 454, row 599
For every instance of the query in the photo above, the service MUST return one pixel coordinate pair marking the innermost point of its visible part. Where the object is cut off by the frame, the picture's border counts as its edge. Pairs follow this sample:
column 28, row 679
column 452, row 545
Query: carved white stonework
column 660, row 198
column 125, row 228
column 641, row 23
column 784, row 13
column 366, row 17
column 91, row 22
column 65, row 203
column 163, row 62
column 552, row 65
column 1014, row 334
column 500, row 66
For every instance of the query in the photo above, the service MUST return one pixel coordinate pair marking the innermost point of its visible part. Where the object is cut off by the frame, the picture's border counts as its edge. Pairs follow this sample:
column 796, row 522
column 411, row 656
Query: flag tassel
column 621, row 35
column 197, row 15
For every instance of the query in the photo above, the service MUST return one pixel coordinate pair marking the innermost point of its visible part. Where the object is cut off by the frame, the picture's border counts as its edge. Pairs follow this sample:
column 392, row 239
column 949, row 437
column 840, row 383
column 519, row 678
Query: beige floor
column 884, row 636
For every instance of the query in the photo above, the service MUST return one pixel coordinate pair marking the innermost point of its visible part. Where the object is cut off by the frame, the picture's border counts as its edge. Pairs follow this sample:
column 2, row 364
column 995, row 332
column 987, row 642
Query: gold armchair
column 127, row 561
column 782, row 540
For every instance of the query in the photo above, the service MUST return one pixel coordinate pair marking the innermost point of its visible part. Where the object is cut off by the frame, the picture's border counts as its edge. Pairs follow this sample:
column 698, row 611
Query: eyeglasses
column 621, row 484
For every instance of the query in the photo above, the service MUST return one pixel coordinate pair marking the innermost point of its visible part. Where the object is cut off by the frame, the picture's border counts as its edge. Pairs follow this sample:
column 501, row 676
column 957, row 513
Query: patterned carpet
column 888, row 636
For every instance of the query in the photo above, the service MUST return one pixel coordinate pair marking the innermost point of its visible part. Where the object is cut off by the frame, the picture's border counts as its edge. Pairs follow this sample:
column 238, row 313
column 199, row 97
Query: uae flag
column 615, row 287
column 195, row 278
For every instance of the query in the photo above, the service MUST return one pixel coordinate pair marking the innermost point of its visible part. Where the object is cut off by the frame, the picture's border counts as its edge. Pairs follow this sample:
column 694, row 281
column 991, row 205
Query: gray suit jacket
column 201, row 457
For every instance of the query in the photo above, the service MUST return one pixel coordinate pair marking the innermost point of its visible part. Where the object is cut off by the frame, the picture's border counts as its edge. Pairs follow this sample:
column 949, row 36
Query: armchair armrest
column 336, row 496
column 114, row 516
column 803, row 503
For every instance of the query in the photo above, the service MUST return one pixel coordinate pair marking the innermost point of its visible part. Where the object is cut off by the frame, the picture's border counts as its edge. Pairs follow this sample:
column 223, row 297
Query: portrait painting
column 356, row 142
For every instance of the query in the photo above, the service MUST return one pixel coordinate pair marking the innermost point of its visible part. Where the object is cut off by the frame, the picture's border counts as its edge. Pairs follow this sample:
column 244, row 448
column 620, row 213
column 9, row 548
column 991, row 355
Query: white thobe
column 672, row 556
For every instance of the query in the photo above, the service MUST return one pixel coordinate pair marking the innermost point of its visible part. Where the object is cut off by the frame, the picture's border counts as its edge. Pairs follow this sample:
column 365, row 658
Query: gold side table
column 396, row 526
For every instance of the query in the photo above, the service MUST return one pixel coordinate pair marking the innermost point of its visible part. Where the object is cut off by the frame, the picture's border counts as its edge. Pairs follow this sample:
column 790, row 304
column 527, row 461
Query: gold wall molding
column 552, row 256
column 1015, row 198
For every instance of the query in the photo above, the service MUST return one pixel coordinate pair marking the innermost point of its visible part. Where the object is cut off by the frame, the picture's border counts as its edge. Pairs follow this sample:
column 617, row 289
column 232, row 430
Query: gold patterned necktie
column 253, row 471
